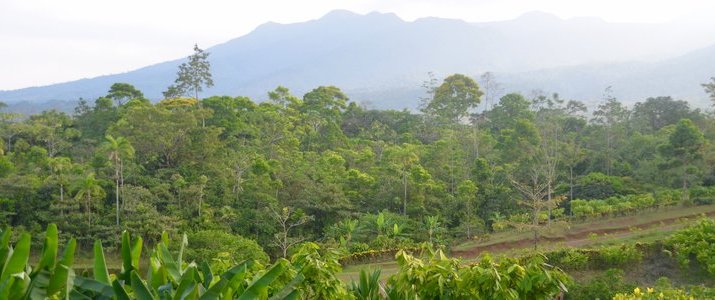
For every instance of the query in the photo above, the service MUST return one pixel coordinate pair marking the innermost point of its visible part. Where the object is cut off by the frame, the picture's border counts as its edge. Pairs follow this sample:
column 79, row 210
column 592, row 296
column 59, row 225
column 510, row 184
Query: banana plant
column 169, row 277
column 49, row 279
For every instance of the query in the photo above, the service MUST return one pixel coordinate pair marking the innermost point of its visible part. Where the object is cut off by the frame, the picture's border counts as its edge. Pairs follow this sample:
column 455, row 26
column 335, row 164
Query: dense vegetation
column 319, row 168
column 251, row 181
column 307, row 275
column 311, row 273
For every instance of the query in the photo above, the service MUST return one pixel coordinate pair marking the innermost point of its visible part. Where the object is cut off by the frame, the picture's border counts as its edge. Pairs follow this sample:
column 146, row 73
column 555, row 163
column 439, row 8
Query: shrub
column 208, row 244
column 359, row 247
column 598, row 186
column 572, row 259
column 696, row 241
column 618, row 256
column 603, row 286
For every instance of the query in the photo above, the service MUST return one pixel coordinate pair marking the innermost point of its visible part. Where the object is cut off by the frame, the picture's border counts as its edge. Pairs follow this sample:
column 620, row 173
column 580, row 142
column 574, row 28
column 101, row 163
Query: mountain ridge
column 382, row 58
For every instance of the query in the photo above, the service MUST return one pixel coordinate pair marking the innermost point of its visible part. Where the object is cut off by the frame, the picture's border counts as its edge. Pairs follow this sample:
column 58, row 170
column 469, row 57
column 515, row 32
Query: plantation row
column 311, row 273
column 629, row 204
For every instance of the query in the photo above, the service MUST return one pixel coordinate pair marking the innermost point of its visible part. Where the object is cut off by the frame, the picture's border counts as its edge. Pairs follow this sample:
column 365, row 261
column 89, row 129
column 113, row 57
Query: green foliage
column 618, row 256
column 570, row 259
column 598, row 186
column 368, row 286
column 207, row 244
column 454, row 98
column 220, row 163
column 659, row 293
column 192, row 76
column 49, row 278
column 603, row 286
column 623, row 205
column 696, row 241
column 439, row 277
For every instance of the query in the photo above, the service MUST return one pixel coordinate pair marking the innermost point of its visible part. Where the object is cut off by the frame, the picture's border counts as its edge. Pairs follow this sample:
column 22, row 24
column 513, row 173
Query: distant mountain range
column 381, row 59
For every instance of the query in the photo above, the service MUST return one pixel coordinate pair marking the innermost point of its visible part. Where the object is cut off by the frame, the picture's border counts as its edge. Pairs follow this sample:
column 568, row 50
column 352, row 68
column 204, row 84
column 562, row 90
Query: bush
column 359, row 247
column 571, row 259
column 618, row 256
column 598, row 186
column 702, row 195
column 208, row 244
column 697, row 241
column 603, row 286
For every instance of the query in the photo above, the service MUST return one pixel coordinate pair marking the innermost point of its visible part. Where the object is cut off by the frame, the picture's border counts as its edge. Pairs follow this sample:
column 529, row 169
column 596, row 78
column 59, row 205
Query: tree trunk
column 536, row 227
column 62, row 201
column 685, row 196
column 121, row 183
column 117, row 199
column 570, row 183
column 548, row 222
column 89, row 209
column 404, row 184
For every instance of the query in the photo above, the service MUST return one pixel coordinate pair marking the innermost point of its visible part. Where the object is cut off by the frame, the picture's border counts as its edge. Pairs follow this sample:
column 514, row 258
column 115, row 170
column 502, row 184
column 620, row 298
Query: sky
column 50, row 41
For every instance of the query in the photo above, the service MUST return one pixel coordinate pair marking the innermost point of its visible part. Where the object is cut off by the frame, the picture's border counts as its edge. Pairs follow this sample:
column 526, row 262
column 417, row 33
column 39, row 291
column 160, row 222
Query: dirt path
column 576, row 238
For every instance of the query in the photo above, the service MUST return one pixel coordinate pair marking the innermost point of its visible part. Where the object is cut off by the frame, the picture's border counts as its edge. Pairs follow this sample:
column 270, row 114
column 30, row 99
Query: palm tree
column 88, row 189
column 117, row 150
column 59, row 165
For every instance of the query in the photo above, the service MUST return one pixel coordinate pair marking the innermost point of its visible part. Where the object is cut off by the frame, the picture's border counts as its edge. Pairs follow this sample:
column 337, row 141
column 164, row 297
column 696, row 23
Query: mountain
column 679, row 77
column 381, row 58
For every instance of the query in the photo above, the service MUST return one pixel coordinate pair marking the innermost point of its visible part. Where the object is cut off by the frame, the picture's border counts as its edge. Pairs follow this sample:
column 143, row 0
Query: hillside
column 678, row 77
column 383, row 59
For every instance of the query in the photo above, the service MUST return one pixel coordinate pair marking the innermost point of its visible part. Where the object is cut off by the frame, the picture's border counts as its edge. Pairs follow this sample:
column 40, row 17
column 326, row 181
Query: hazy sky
column 50, row 41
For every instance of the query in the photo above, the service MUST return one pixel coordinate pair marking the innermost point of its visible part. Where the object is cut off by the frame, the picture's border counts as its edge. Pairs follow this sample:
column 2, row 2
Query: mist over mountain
column 382, row 59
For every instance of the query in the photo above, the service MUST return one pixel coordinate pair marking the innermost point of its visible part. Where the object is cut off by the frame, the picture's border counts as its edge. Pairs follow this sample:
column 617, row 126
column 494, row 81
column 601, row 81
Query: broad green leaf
column 49, row 250
column 101, row 289
column 18, row 259
column 119, row 291
column 141, row 291
column 217, row 289
column 63, row 279
column 137, row 252
column 168, row 262
column 289, row 291
column 4, row 246
column 208, row 276
column 188, row 283
column 5, row 287
column 100, row 266
column 259, row 287
column 126, row 256
column 157, row 275
column 184, row 243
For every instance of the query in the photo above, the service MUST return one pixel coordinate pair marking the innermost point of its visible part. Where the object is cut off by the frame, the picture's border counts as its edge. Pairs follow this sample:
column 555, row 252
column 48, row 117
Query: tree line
column 288, row 169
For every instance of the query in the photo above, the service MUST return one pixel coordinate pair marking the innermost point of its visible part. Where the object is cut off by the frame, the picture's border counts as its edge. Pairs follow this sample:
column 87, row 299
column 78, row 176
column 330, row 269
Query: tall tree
column 656, row 113
column 611, row 114
column 402, row 159
column 492, row 89
column 454, row 98
column 684, row 149
column 89, row 189
column 710, row 89
column 118, row 149
column 192, row 76
column 120, row 93
column 60, row 166
column 288, row 219
column 467, row 194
